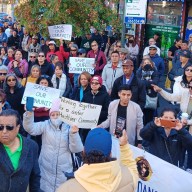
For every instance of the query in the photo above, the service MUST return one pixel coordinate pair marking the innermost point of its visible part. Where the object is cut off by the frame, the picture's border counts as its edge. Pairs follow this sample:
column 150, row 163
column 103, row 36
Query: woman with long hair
column 148, row 74
column 18, row 66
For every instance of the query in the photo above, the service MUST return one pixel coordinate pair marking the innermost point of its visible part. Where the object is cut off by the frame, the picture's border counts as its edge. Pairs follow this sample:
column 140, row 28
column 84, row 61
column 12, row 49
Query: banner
column 156, row 175
column 78, row 65
column 135, row 11
column 60, row 32
column 84, row 115
column 43, row 96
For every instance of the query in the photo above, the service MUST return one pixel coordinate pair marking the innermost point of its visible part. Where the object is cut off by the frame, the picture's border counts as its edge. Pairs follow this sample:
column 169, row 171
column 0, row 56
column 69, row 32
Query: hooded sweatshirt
column 105, row 177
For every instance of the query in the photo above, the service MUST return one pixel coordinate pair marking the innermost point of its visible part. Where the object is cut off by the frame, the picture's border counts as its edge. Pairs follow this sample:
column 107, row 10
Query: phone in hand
column 29, row 103
column 168, row 123
column 119, row 127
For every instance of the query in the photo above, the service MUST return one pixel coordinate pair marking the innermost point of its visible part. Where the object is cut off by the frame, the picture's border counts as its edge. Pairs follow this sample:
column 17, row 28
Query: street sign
column 135, row 11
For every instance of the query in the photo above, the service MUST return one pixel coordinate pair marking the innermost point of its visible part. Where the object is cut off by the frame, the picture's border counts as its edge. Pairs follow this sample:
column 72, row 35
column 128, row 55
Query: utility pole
column 123, row 25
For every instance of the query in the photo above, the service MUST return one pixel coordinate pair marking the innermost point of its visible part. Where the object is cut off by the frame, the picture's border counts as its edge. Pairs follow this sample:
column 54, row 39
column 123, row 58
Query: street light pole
column 123, row 25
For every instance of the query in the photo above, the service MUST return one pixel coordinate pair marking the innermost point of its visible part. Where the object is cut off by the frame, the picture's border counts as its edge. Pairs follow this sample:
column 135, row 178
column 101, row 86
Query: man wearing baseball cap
column 129, row 78
column 100, row 172
column 34, row 47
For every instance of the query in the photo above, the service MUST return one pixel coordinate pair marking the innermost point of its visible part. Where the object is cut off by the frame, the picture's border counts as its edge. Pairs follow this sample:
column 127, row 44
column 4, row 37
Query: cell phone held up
column 29, row 103
column 168, row 123
column 119, row 127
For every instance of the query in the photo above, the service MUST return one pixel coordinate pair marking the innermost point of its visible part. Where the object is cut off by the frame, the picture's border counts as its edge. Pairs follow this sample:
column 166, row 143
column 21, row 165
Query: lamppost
column 122, row 16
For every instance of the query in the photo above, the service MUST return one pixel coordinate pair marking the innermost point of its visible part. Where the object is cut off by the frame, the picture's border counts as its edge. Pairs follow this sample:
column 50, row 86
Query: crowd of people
column 37, row 149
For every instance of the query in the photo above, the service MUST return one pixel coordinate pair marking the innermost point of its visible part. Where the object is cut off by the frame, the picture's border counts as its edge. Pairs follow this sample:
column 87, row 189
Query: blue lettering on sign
column 143, row 188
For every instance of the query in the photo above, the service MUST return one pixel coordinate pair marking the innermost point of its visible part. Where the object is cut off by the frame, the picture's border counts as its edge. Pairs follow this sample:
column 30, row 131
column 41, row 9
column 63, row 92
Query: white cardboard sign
column 84, row 115
column 60, row 32
column 43, row 96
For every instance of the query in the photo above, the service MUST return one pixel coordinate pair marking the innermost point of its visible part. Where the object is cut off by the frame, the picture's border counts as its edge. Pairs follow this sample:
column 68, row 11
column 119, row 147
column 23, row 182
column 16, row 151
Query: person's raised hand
column 179, row 125
column 123, row 140
column 74, row 129
column 157, row 121
column 156, row 88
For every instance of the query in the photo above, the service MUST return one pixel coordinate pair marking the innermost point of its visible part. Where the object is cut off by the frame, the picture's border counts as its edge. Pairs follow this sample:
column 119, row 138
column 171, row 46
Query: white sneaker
column 189, row 170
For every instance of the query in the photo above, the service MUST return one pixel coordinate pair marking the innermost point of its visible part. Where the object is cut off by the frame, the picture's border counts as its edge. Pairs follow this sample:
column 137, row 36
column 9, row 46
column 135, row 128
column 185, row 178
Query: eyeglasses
column 152, row 49
column 118, row 46
column 45, row 76
column 9, row 80
column 94, row 83
column 41, row 55
column 93, row 45
column 8, row 127
column 73, row 49
column 4, row 74
column 33, row 57
column 190, row 70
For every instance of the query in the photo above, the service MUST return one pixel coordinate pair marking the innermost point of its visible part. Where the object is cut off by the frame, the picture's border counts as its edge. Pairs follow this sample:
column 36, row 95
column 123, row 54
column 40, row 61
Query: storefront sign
column 167, row 35
column 84, row 115
column 78, row 65
column 43, row 96
column 135, row 11
column 60, row 32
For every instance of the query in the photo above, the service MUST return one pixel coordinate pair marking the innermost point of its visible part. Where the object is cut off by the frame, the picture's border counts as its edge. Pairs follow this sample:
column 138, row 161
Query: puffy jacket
column 46, row 69
column 55, row 157
column 176, row 142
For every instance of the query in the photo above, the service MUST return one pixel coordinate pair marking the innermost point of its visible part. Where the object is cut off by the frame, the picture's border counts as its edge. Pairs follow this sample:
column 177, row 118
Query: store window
column 164, row 13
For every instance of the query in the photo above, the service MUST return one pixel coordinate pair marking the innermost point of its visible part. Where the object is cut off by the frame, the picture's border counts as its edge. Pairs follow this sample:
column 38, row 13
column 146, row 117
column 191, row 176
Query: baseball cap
column 153, row 46
column 186, row 53
column 123, row 50
column 127, row 62
column 81, row 50
column 97, row 78
column 98, row 139
column 52, row 42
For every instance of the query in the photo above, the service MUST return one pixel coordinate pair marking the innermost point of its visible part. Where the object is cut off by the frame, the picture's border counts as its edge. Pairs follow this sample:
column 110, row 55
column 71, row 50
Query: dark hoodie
column 46, row 69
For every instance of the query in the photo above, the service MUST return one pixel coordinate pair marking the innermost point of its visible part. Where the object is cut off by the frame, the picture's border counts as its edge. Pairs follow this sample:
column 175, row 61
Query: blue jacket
column 177, row 142
column 28, row 172
column 159, row 63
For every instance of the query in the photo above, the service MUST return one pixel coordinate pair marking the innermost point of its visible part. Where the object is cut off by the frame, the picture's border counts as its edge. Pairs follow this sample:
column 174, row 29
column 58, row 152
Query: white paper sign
column 84, row 115
column 60, row 32
column 78, row 65
column 43, row 96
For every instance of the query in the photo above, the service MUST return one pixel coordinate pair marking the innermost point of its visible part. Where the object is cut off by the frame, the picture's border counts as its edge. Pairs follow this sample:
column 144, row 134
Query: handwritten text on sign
column 60, row 32
column 43, row 96
column 84, row 115
column 78, row 65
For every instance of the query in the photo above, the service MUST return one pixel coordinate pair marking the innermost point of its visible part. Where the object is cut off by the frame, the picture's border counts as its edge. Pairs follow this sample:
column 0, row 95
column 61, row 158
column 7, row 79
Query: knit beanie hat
column 55, row 105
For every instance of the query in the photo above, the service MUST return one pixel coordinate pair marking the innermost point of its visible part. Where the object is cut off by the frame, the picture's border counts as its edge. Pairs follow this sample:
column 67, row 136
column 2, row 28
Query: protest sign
column 84, row 115
column 156, row 175
column 60, row 32
column 78, row 65
column 43, row 96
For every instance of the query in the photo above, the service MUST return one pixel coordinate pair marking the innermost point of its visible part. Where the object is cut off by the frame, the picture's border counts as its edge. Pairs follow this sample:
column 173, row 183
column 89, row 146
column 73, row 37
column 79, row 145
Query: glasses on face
column 93, row 45
column 41, row 55
column 73, row 49
column 118, row 46
column 9, row 80
column 190, row 70
column 7, row 127
column 4, row 74
column 33, row 57
column 94, row 83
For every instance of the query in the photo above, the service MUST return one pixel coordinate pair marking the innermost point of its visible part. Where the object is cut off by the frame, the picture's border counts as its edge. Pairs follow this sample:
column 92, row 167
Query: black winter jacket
column 137, row 88
column 176, row 143
column 101, row 98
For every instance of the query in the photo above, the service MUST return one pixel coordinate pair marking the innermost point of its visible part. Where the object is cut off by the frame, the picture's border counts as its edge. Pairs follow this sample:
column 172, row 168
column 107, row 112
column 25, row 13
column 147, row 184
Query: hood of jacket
column 102, row 177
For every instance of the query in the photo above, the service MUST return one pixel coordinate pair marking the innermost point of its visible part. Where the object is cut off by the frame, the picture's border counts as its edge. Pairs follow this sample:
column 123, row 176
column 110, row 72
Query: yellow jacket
column 105, row 177
column 28, row 79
